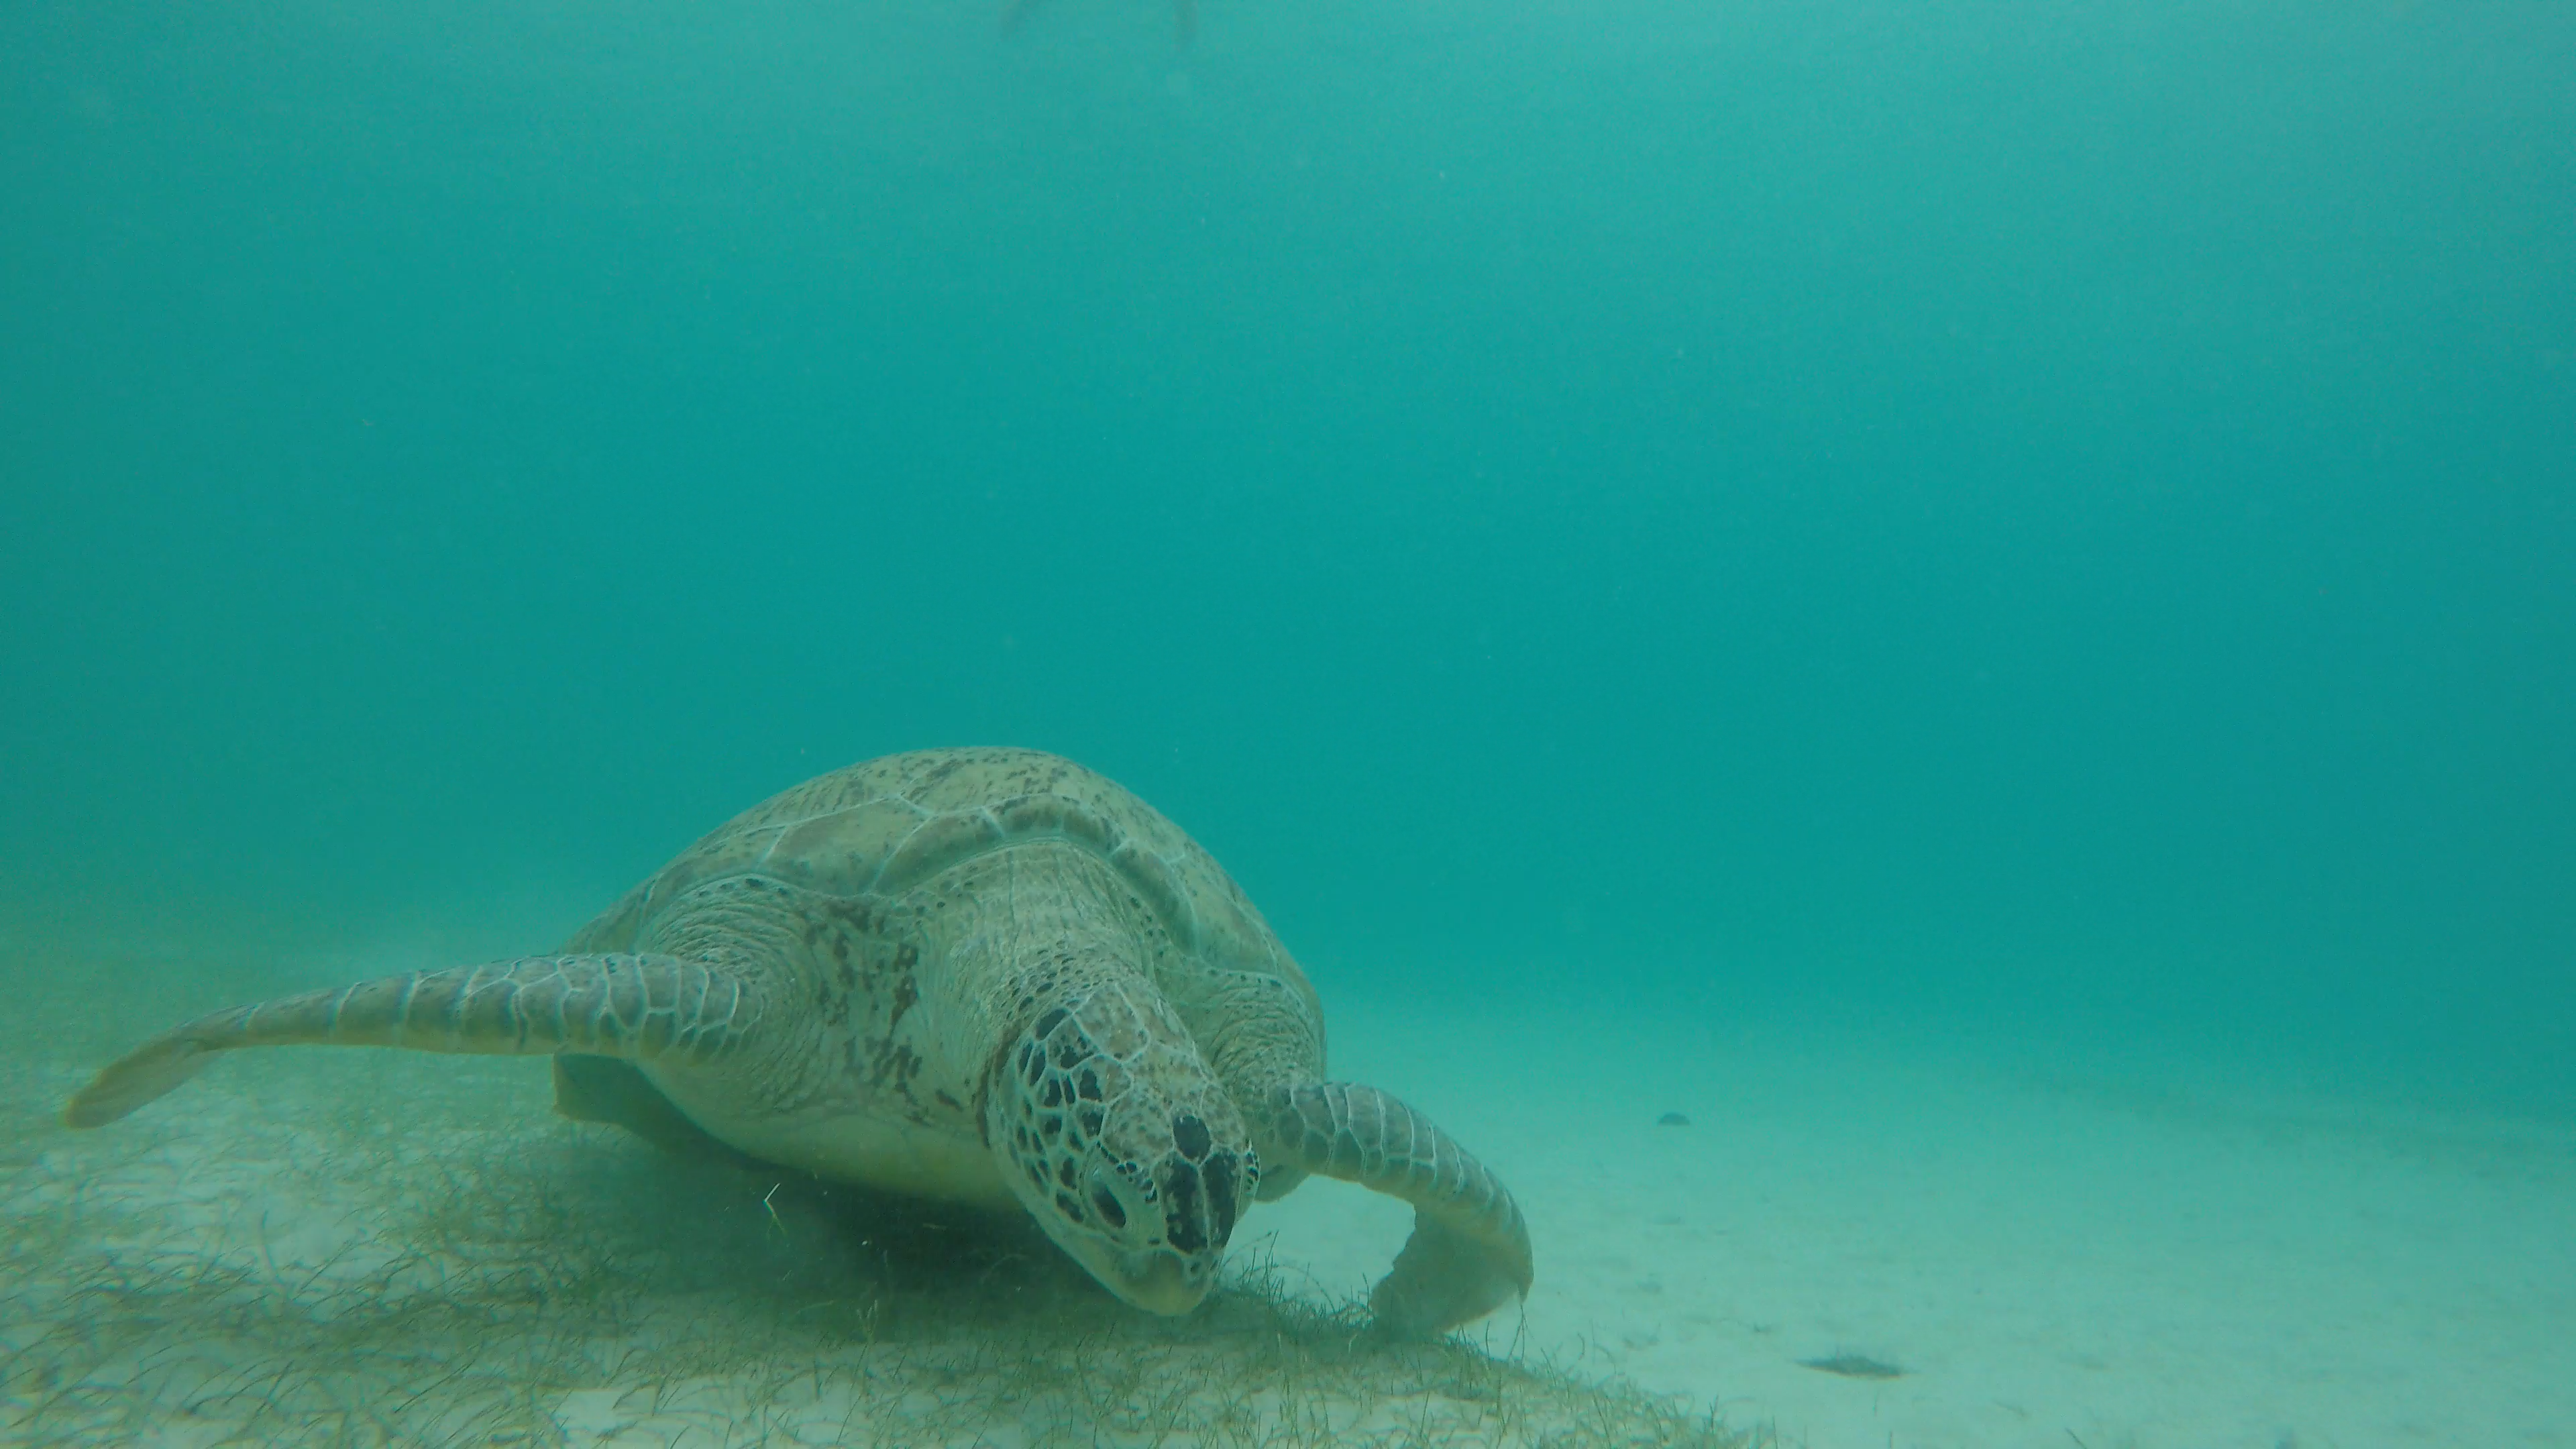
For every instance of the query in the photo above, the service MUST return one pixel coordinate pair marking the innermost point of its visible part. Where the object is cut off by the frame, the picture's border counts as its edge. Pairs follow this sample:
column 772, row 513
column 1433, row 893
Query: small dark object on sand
column 1672, row 1119
column 1854, row 1366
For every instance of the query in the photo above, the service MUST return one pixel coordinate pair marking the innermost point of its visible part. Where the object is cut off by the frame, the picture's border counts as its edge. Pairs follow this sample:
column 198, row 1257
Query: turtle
column 985, row 976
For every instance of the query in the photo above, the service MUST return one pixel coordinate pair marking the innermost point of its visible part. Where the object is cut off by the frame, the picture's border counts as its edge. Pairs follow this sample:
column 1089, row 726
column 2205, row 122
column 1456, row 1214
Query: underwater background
column 1997, row 509
column 2035, row 524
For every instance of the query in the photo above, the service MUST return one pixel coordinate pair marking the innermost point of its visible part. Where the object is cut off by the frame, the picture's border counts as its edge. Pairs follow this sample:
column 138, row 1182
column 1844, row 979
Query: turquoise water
column 2054, row 519
column 2011, row 508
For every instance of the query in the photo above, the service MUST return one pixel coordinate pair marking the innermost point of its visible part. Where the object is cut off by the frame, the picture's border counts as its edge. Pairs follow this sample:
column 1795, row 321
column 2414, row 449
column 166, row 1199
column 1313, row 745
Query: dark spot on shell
column 1049, row 1022
column 1107, row 1205
column 1067, row 1206
column 1188, row 1134
column 905, row 993
column 1087, row 1086
column 1064, row 1172
column 1090, row 1118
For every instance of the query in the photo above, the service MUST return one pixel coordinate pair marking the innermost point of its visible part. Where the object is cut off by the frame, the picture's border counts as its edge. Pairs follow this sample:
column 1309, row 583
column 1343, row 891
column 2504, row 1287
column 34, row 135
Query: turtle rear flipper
column 639, row 1008
column 1470, row 1249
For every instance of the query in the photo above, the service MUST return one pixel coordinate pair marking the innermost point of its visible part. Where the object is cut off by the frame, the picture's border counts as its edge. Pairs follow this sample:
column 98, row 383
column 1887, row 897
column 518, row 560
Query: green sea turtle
column 989, row 976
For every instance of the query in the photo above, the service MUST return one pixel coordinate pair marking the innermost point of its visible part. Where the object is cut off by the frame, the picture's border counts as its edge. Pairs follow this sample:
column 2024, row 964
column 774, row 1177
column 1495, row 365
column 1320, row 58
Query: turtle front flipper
column 639, row 1008
column 1470, row 1249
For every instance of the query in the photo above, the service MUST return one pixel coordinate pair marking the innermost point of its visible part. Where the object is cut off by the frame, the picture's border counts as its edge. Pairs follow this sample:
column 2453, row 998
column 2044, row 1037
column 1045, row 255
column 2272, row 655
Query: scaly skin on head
column 1117, row 1137
column 1102, row 1115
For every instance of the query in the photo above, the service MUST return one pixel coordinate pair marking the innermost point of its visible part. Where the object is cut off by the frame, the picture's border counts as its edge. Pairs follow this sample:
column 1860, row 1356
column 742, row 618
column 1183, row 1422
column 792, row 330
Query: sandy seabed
column 2140, row 1255
column 1850, row 1244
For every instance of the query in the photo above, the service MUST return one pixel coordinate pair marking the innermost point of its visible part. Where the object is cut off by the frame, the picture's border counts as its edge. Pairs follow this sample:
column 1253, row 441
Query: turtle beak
column 1157, row 1281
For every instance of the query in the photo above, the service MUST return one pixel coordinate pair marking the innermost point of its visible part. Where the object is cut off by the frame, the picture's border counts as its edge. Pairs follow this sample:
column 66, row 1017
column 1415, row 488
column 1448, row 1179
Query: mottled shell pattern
column 887, row 826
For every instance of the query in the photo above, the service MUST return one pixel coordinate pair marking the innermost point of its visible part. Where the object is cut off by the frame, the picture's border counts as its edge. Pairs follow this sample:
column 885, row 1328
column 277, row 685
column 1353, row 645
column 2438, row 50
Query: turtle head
column 1123, row 1145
